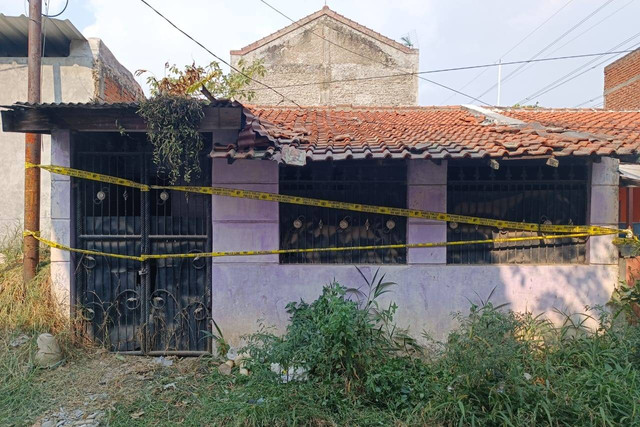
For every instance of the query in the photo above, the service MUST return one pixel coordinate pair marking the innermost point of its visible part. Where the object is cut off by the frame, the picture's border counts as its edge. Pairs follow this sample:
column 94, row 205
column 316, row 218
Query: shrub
column 497, row 368
column 335, row 339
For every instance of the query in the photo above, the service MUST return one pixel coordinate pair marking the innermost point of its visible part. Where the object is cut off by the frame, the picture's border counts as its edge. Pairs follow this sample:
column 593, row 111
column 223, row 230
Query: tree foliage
column 175, row 110
column 190, row 80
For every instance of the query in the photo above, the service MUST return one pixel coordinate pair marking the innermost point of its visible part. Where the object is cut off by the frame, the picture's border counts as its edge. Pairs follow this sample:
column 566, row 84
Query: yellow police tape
column 145, row 257
column 306, row 201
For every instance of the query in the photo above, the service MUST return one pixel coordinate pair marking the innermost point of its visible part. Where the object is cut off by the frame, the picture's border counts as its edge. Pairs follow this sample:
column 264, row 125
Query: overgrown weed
column 30, row 307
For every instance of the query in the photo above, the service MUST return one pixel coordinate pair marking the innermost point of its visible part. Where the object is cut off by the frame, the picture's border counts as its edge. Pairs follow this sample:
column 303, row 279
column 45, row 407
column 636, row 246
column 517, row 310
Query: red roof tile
column 620, row 125
column 428, row 133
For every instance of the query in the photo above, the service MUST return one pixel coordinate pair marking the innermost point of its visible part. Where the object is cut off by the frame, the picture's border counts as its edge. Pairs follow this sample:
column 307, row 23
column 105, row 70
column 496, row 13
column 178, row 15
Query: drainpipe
column 32, row 145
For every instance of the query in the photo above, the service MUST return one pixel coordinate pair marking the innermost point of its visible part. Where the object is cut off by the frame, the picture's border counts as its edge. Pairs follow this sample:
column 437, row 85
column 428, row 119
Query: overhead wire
column 571, row 75
column 441, row 70
column 59, row 13
column 579, row 35
column 512, row 48
column 371, row 59
column 587, row 101
column 548, row 46
column 218, row 57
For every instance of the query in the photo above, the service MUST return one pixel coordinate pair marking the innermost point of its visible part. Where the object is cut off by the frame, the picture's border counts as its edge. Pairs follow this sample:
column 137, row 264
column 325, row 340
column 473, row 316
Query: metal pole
column 32, row 144
column 499, row 82
column 630, row 207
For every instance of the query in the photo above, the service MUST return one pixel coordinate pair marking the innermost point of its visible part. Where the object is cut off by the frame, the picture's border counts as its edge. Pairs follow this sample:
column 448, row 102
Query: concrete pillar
column 61, row 220
column 245, row 224
column 427, row 190
column 604, row 210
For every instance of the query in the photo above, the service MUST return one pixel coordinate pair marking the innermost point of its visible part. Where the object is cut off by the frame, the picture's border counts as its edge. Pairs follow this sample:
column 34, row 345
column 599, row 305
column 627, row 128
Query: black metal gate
column 152, row 307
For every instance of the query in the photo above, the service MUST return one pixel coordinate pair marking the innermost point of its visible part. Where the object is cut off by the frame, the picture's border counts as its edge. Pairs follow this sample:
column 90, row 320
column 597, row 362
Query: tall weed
column 27, row 307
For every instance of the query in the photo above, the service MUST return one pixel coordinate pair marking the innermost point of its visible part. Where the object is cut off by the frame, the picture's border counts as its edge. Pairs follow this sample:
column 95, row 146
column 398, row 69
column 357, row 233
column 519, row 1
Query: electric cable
column 371, row 59
column 512, row 48
column 216, row 56
column 544, row 49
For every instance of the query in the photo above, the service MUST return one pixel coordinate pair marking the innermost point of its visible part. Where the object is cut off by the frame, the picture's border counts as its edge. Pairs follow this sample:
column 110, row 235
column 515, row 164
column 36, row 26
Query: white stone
column 49, row 352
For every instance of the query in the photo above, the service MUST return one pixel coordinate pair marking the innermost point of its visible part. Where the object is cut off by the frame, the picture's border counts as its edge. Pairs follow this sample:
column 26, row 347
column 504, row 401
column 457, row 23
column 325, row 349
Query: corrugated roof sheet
column 14, row 32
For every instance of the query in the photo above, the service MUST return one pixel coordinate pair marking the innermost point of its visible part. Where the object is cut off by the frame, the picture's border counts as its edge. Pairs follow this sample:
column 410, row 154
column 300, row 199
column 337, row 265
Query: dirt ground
column 85, row 389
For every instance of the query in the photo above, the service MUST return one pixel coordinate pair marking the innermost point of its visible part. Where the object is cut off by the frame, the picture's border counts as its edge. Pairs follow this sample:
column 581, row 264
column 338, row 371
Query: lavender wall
column 246, row 289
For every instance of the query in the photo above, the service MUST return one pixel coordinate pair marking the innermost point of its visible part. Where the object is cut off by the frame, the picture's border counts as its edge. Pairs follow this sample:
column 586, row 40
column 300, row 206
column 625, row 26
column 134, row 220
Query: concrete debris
column 224, row 369
column 19, row 340
column 291, row 374
column 49, row 352
column 77, row 417
column 163, row 361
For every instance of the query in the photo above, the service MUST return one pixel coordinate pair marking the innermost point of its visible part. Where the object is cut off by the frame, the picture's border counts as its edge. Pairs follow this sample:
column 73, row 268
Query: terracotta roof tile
column 432, row 132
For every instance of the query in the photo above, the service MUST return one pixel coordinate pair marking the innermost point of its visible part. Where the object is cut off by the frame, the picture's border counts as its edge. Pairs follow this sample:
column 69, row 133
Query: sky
column 449, row 33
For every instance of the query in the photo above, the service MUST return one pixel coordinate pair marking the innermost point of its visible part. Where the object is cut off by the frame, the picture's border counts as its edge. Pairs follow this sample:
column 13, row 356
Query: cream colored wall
column 301, row 57
column 76, row 78
column 63, row 80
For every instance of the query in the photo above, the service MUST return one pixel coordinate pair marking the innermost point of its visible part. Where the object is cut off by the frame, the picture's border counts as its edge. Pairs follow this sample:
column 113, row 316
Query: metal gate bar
column 158, row 307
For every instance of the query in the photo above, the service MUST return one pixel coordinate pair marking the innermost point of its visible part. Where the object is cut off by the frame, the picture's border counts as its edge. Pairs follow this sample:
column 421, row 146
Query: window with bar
column 517, row 191
column 367, row 182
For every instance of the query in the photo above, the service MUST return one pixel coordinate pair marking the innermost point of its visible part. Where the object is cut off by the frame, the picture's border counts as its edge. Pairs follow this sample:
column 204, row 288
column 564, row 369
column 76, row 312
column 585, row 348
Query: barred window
column 518, row 191
column 382, row 183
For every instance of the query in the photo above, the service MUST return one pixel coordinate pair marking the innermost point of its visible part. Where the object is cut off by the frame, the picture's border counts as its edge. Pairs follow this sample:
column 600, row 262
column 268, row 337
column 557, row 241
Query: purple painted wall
column 246, row 289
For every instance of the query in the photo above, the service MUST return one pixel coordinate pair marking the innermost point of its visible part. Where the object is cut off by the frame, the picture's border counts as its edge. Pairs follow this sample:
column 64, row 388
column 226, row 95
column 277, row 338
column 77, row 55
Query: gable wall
column 302, row 57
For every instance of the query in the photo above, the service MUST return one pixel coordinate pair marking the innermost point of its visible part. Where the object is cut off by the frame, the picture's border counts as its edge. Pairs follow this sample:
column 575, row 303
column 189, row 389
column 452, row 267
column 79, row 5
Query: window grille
column 518, row 191
column 366, row 182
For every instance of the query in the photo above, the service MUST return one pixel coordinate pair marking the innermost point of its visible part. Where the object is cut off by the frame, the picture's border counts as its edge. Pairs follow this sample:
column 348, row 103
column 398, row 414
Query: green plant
column 30, row 307
column 626, row 298
column 175, row 110
column 335, row 339
column 190, row 80
column 173, row 123
column 222, row 345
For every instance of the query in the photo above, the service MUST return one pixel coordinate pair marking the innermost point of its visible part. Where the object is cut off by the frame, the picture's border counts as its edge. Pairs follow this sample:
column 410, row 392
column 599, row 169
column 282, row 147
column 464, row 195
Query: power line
column 59, row 13
column 540, row 52
column 592, row 27
column 216, row 56
column 587, row 101
column 442, row 70
column 582, row 33
column 512, row 48
column 371, row 59
column 567, row 77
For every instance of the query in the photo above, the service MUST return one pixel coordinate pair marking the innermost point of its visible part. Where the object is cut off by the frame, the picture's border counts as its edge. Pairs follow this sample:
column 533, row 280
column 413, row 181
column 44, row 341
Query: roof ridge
column 356, row 107
column 325, row 11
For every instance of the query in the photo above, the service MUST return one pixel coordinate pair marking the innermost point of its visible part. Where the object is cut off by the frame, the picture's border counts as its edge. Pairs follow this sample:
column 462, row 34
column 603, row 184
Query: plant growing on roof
column 175, row 110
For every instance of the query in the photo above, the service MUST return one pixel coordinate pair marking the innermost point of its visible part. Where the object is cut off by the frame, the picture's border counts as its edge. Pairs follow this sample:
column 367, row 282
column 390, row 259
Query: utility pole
column 499, row 82
column 32, row 145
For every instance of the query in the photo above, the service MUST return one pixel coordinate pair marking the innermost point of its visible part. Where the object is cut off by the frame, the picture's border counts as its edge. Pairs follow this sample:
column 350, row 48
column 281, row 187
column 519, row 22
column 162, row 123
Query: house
column 325, row 46
column 622, row 83
column 74, row 69
column 489, row 163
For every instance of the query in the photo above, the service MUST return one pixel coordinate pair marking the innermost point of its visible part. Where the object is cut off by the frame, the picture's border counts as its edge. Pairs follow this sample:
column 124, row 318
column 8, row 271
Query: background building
column 325, row 46
column 622, row 83
column 74, row 69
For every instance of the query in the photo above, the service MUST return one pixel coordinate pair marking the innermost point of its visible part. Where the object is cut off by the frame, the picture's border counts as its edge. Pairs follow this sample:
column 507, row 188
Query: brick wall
column 622, row 83
column 116, row 92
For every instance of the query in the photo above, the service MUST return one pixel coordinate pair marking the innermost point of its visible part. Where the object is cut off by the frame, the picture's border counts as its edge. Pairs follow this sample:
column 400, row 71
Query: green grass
column 497, row 368
column 240, row 401
column 21, row 397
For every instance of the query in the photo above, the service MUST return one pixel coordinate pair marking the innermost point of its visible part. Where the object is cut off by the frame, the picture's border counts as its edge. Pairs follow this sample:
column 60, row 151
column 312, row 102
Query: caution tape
column 306, row 201
column 145, row 257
